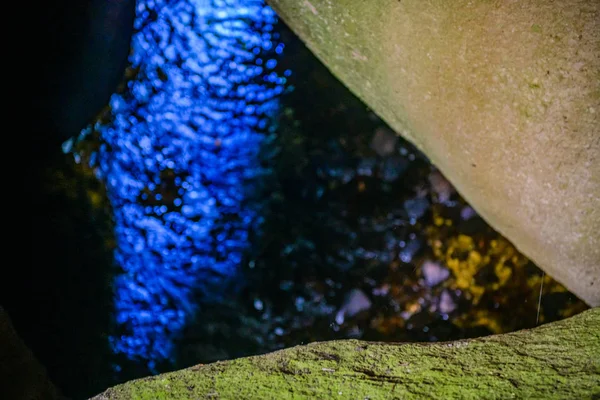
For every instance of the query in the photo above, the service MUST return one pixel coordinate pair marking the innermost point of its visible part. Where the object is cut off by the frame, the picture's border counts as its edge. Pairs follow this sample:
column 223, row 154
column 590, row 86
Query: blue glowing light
column 180, row 159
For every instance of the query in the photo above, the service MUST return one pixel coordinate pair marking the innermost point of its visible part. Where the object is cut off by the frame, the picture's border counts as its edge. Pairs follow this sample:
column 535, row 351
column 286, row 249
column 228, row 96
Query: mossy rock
column 502, row 96
column 560, row 360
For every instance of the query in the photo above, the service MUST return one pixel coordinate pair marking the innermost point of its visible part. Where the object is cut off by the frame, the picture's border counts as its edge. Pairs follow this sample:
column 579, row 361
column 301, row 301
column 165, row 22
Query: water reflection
column 362, row 237
column 182, row 156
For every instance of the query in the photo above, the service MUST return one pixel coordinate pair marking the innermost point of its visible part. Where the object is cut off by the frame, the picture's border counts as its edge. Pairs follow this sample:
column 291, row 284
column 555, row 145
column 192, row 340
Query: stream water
column 235, row 198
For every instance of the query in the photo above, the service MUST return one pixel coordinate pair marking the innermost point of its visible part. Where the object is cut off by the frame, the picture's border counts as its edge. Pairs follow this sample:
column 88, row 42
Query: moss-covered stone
column 501, row 95
column 560, row 360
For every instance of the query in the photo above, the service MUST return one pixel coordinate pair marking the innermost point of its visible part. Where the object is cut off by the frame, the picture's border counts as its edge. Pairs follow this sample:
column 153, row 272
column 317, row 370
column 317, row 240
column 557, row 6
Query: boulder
column 502, row 96
column 560, row 360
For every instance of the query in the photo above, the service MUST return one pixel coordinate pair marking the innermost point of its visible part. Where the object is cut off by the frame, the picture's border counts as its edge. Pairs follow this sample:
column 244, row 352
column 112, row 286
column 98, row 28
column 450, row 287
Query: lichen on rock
column 554, row 361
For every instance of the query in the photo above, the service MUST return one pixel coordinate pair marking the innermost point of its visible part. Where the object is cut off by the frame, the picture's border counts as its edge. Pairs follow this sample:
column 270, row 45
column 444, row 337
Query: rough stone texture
column 560, row 360
column 22, row 377
column 502, row 95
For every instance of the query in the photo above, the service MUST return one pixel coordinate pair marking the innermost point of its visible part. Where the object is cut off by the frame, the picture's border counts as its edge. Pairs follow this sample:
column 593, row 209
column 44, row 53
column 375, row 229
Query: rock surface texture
column 560, row 360
column 502, row 96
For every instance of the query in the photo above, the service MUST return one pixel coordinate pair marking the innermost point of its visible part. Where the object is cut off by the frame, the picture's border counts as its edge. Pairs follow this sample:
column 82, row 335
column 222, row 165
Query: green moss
column 558, row 360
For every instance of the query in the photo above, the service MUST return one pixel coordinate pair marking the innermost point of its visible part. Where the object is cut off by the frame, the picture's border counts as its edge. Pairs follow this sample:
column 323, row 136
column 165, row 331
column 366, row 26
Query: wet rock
column 447, row 304
column 355, row 302
column 384, row 142
column 467, row 213
column 434, row 273
column 415, row 208
column 441, row 187
column 409, row 250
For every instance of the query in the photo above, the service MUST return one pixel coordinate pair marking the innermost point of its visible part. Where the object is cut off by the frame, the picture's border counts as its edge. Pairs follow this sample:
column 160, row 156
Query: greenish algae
column 536, row 28
column 560, row 360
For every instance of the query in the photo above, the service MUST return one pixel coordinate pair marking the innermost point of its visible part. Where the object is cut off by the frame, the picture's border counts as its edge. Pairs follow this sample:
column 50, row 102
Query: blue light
column 272, row 63
column 198, row 110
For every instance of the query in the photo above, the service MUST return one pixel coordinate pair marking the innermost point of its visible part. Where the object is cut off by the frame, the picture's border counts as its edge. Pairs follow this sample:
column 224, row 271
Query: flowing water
column 234, row 198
